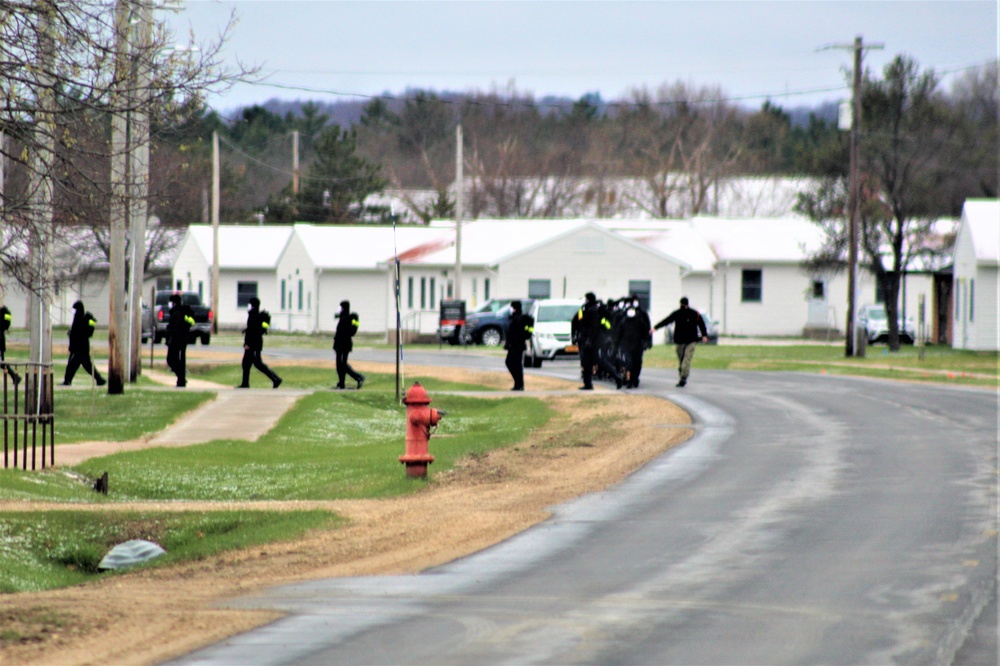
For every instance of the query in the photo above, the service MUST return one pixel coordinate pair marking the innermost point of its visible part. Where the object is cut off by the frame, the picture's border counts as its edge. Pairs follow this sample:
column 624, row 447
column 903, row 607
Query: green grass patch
column 932, row 364
column 329, row 446
column 84, row 416
column 48, row 549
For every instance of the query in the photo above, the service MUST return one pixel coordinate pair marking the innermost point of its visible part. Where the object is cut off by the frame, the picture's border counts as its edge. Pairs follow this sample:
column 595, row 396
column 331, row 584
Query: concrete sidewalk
column 242, row 414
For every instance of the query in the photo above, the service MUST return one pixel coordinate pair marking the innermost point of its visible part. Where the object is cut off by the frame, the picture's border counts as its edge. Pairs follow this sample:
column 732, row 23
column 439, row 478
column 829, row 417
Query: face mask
column 249, row 307
column 630, row 312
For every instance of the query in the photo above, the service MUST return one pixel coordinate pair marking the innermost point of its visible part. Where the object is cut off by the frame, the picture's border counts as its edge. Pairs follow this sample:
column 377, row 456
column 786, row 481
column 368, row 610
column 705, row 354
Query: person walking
column 6, row 319
column 80, row 332
column 687, row 325
column 521, row 328
column 253, row 343
column 588, row 327
column 178, row 329
column 633, row 339
column 343, row 344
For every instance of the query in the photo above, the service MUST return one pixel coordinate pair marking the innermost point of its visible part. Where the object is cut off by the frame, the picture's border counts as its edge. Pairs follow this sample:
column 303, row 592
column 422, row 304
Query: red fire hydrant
column 419, row 419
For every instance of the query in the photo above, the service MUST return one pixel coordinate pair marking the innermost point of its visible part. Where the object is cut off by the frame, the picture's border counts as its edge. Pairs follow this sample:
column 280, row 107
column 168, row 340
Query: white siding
column 366, row 290
column 295, row 264
column 591, row 260
column 975, row 285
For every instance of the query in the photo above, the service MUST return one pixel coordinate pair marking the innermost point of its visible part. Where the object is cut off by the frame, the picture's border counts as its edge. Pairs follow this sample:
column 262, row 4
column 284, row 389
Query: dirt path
column 148, row 616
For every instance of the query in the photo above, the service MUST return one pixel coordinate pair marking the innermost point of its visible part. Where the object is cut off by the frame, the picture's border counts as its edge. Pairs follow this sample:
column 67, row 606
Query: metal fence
column 28, row 415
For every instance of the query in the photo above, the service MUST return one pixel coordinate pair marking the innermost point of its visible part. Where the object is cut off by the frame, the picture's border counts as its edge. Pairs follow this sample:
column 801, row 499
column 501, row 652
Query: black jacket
column 590, row 324
column 179, row 326
column 253, row 334
column 687, row 324
column 80, row 332
column 521, row 328
column 347, row 326
column 633, row 332
column 5, row 319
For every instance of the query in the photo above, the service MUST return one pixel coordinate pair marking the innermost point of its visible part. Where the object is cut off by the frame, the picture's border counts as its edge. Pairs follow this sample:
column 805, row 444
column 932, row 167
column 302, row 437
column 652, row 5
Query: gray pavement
column 810, row 520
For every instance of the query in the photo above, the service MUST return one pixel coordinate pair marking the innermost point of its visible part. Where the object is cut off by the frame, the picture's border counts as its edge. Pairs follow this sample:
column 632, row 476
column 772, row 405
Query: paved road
column 812, row 519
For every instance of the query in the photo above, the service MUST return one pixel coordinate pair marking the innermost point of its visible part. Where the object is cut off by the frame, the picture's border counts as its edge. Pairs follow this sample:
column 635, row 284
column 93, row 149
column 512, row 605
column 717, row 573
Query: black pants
column 78, row 360
column 177, row 362
column 515, row 364
column 3, row 366
column 344, row 368
column 589, row 357
column 633, row 364
column 251, row 358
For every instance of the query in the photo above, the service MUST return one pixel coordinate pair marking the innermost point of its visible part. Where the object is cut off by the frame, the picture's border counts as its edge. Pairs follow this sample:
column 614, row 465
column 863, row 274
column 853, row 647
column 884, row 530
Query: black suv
column 488, row 324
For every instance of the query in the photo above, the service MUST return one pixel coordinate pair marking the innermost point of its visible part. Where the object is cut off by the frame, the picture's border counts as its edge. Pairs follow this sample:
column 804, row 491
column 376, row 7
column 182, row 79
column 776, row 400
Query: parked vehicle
column 553, row 330
column 875, row 321
column 147, row 324
column 712, row 327
column 488, row 324
column 160, row 316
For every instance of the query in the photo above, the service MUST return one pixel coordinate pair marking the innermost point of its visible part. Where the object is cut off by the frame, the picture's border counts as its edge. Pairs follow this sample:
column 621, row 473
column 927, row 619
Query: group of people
column 611, row 338
column 179, row 323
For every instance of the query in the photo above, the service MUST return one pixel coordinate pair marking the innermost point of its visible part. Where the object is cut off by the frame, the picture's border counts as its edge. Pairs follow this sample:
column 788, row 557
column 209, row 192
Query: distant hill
column 348, row 112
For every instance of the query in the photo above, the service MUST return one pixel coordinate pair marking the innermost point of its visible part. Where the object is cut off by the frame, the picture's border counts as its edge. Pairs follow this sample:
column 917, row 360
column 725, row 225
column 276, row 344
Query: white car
column 552, row 337
column 874, row 320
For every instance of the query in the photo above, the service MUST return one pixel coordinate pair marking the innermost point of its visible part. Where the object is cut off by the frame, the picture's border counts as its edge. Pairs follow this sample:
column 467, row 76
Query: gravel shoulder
column 148, row 616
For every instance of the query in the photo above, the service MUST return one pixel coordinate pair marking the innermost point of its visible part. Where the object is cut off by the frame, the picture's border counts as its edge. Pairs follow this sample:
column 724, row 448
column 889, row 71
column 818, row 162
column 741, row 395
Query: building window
column 433, row 294
column 180, row 285
column 819, row 289
column 283, row 295
column 423, row 293
column 958, row 300
column 972, row 300
column 301, row 293
column 643, row 291
column 539, row 289
column 753, row 285
column 244, row 292
column 409, row 292
column 201, row 291
column 486, row 289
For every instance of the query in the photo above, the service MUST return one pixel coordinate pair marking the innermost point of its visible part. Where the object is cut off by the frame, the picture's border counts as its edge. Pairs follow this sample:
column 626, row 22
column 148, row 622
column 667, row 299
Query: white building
column 248, row 265
column 975, row 283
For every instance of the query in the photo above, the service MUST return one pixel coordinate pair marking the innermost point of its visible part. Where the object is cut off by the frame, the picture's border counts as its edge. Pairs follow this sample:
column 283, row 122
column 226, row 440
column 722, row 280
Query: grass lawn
column 48, row 549
column 938, row 364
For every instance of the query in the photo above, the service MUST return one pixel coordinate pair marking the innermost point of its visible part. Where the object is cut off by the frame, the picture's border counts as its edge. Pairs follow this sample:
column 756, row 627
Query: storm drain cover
column 131, row 553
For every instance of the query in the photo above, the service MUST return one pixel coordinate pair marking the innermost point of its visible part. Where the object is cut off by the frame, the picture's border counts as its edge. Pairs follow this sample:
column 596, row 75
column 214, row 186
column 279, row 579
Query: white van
column 553, row 317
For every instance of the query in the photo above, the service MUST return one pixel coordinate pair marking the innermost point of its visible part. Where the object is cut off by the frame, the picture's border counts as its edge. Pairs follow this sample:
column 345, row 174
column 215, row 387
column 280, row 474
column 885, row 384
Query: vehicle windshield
column 876, row 312
column 556, row 312
column 488, row 306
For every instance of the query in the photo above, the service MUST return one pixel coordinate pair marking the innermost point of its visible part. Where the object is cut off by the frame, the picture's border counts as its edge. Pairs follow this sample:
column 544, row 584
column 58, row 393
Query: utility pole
column 295, row 162
column 120, row 196
column 139, row 170
column 459, row 212
column 215, row 231
column 854, row 195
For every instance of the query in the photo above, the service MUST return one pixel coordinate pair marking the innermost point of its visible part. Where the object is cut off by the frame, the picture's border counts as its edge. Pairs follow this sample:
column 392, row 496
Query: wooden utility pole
column 139, row 170
column 215, row 231
column 459, row 211
column 295, row 162
column 854, row 194
column 120, row 195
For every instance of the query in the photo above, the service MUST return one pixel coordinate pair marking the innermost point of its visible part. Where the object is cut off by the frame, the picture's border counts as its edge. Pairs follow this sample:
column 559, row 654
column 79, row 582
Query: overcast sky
column 752, row 49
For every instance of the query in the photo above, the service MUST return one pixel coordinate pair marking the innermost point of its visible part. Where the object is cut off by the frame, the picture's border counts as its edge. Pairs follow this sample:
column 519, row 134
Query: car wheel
column 157, row 338
column 491, row 337
column 205, row 338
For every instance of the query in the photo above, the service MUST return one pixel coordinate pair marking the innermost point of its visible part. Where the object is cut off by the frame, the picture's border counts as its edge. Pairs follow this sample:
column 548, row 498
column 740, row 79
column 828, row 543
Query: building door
column 819, row 315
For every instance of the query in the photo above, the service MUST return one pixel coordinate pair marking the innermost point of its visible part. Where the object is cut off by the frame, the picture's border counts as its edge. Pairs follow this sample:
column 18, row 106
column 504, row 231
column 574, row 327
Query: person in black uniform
column 687, row 325
column 178, row 328
column 253, row 344
column 587, row 329
column 343, row 343
column 6, row 319
column 521, row 328
column 80, row 332
column 633, row 339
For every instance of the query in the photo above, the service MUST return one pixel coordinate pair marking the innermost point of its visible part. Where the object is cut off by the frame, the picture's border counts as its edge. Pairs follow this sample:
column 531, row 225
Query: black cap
column 78, row 305
column 515, row 305
column 175, row 298
column 345, row 305
column 255, row 302
column 684, row 300
column 591, row 298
